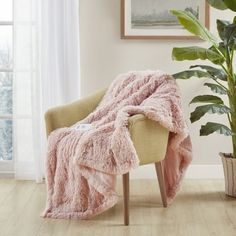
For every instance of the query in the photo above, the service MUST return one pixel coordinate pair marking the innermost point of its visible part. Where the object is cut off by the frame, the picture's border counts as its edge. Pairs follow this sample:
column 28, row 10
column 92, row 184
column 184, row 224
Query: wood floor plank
column 201, row 208
column 28, row 221
column 14, row 204
column 6, row 187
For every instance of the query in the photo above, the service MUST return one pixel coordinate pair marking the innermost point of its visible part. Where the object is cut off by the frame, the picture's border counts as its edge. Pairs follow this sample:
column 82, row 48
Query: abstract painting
column 152, row 18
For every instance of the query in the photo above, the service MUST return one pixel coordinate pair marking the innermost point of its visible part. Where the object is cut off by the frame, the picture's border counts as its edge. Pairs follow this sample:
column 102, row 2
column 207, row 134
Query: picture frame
column 150, row 19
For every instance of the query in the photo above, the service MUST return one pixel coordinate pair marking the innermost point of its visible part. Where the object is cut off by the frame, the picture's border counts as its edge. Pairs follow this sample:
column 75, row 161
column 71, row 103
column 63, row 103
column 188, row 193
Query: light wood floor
column 201, row 208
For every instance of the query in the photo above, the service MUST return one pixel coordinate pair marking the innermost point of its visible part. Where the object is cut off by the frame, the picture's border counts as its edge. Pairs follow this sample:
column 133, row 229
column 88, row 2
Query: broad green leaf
column 211, row 127
column 200, row 111
column 218, row 4
column 221, row 24
column 221, row 47
column 188, row 74
column 207, row 99
column 234, row 21
column 230, row 35
column 214, row 72
column 194, row 53
column 216, row 88
column 194, row 26
column 231, row 4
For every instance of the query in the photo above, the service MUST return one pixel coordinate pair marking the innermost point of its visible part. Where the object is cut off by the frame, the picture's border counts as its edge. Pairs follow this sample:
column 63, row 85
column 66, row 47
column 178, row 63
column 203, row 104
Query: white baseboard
column 193, row 172
column 6, row 174
column 205, row 172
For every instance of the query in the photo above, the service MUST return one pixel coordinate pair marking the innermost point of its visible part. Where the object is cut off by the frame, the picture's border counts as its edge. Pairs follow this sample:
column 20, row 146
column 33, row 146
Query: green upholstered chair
column 149, row 138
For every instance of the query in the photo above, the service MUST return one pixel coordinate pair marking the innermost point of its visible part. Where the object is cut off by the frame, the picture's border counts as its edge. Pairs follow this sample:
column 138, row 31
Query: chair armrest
column 69, row 114
column 149, row 138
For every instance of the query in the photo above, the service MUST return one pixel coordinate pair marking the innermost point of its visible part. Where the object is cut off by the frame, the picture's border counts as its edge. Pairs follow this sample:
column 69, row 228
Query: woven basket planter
column 229, row 165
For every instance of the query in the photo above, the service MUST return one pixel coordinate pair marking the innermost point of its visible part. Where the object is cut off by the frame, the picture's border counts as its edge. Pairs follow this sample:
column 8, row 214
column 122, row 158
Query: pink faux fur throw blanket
column 81, row 166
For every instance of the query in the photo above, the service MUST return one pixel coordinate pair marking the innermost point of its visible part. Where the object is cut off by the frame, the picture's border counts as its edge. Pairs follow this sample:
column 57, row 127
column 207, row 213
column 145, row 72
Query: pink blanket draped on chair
column 81, row 166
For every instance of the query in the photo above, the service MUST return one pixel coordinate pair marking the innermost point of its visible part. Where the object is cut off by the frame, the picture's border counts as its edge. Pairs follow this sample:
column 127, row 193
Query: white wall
column 104, row 55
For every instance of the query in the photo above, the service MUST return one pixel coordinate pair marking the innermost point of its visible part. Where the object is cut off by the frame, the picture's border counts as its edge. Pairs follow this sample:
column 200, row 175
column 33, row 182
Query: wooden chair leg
column 126, row 197
column 160, row 176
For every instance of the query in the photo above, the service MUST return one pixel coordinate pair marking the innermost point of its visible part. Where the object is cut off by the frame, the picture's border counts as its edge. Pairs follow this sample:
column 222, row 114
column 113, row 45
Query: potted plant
column 221, row 54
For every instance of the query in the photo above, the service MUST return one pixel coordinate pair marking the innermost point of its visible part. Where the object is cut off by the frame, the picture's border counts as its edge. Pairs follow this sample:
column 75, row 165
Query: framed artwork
column 151, row 19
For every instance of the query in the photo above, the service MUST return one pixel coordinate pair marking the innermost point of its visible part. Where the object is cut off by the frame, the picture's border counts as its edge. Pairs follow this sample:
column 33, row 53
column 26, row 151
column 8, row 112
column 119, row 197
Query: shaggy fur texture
column 82, row 165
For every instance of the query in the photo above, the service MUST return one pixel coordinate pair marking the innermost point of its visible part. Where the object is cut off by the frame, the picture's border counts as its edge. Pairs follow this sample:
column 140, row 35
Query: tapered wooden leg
column 160, row 176
column 126, row 198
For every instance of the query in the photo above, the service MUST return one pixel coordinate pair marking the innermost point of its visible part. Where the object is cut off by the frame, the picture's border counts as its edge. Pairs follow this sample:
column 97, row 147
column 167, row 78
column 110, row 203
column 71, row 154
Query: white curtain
column 46, row 73
column 60, row 50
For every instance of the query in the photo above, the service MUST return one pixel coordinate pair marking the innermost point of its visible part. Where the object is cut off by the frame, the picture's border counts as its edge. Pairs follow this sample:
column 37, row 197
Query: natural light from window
column 6, row 77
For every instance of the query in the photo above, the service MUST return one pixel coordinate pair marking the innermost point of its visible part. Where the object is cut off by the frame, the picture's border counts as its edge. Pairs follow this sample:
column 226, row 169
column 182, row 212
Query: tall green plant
column 221, row 55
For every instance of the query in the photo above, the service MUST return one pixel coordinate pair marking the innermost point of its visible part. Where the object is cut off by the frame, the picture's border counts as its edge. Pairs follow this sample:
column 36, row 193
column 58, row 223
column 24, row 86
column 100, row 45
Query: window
column 6, row 83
